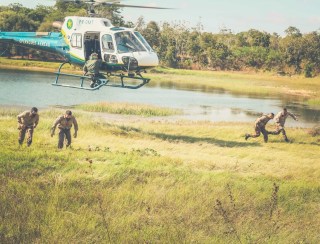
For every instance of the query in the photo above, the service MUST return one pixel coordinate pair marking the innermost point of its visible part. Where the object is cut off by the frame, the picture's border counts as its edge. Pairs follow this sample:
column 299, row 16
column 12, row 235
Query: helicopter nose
column 147, row 59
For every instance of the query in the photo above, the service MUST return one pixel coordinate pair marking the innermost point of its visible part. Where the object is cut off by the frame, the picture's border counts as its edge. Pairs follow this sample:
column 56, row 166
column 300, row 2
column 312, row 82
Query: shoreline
column 114, row 117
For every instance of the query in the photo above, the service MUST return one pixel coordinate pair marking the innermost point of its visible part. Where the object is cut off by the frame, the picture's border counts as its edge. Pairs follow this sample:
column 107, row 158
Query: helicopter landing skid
column 122, row 79
column 101, row 81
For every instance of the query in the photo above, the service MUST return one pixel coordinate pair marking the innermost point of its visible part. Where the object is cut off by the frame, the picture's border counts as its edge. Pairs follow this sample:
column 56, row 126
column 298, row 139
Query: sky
column 236, row 15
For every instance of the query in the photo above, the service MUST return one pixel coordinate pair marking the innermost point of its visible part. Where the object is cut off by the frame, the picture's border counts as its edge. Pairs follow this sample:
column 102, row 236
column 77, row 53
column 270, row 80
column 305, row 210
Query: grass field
column 128, row 109
column 157, row 181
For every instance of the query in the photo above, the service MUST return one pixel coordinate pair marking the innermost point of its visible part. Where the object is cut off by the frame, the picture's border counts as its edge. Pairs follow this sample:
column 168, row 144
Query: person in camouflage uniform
column 64, row 123
column 260, row 127
column 280, row 120
column 92, row 66
column 28, row 121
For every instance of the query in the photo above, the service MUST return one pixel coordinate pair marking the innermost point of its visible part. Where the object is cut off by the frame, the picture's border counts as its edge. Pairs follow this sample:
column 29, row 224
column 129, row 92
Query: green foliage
column 308, row 70
column 17, row 18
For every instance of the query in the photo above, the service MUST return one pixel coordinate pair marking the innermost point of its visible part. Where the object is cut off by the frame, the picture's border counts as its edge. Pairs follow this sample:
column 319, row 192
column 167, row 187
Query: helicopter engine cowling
column 57, row 24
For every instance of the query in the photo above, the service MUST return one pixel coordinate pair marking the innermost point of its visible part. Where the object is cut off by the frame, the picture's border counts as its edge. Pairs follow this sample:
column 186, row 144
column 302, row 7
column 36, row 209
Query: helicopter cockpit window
column 76, row 40
column 145, row 43
column 107, row 43
column 127, row 42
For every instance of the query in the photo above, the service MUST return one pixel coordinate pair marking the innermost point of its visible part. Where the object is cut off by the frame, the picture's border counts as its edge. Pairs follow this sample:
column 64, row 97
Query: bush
column 315, row 131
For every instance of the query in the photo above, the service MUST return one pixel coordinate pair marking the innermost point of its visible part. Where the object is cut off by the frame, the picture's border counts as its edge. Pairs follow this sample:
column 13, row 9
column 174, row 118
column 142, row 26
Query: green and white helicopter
column 124, row 52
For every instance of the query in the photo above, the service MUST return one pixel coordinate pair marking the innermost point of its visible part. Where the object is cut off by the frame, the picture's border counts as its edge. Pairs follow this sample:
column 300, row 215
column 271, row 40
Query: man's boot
column 246, row 136
column 285, row 138
column 29, row 141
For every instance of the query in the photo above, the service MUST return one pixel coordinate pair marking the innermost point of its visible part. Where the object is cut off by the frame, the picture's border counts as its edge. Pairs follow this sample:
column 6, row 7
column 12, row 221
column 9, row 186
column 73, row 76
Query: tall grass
column 128, row 109
column 157, row 182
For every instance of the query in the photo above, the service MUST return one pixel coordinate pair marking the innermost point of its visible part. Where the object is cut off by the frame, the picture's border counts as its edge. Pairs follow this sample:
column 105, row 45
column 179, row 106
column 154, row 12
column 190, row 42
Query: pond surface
column 35, row 89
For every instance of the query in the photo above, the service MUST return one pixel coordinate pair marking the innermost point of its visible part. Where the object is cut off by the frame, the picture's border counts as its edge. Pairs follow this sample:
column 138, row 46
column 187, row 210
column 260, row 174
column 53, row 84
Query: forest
column 181, row 46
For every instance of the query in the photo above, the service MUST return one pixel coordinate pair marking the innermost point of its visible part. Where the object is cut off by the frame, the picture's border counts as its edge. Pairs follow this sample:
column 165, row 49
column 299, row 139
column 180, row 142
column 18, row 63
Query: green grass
column 314, row 102
column 128, row 109
column 6, row 63
column 138, row 181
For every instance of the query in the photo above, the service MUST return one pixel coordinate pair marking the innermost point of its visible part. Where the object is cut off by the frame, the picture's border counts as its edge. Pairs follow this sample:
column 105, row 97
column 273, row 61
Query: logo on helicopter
column 69, row 24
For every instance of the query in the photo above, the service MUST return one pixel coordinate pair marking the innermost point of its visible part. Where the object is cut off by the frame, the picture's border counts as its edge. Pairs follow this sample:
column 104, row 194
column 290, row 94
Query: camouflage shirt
column 63, row 123
column 280, row 118
column 92, row 66
column 27, row 119
column 262, row 121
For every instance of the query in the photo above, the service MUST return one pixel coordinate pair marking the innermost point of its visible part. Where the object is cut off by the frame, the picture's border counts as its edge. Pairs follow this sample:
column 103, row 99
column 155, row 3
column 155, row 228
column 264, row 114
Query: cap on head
column 284, row 109
column 34, row 109
column 68, row 112
column 272, row 115
column 94, row 56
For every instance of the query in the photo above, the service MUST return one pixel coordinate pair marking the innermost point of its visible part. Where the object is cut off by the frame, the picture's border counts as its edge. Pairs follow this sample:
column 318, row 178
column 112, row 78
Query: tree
column 253, row 38
column 15, row 18
column 293, row 32
column 312, row 54
column 293, row 48
column 152, row 34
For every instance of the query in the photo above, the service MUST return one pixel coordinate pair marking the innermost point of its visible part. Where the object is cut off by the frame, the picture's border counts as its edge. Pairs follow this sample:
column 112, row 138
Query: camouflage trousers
column 64, row 133
column 22, row 134
column 260, row 129
column 95, row 79
column 279, row 129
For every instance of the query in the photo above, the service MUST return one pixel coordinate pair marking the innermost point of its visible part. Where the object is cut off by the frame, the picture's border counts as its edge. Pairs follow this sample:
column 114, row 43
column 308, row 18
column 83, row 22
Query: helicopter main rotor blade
column 109, row 3
column 117, row 4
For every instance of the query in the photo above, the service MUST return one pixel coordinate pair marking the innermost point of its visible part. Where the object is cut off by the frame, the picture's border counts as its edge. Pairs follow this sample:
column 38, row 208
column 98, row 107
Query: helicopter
column 124, row 52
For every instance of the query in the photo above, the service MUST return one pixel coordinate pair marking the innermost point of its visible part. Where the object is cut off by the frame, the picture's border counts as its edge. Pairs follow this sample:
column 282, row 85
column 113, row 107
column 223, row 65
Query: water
column 35, row 89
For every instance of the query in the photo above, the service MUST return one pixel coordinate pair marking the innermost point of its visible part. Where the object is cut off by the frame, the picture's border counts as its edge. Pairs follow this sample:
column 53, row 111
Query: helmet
column 93, row 56
column 34, row 109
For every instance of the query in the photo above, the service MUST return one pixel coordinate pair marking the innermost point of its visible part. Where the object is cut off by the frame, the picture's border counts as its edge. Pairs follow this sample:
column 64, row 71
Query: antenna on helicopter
column 90, row 11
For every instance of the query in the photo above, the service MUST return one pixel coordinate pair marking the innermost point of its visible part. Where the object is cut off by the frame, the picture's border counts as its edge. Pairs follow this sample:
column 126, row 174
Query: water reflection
column 187, row 87
column 200, row 103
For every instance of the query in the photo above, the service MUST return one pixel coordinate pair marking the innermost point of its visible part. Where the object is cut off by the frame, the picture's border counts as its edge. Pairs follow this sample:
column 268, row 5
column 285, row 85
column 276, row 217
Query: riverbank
column 303, row 90
column 142, row 180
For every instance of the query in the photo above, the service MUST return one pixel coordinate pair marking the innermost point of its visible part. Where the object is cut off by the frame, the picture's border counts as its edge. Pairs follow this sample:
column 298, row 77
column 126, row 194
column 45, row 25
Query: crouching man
column 64, row 123
column 28, row 121
column 260, row 127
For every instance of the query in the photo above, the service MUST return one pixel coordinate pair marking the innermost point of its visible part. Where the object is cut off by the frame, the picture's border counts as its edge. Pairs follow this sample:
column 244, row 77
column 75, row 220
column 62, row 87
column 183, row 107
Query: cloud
column 314, row 20
column 277, row 18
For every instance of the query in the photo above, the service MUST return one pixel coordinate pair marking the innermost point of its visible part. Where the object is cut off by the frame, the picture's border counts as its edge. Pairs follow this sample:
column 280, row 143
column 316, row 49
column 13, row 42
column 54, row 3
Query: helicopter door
column 107, row 47
column 92, row 44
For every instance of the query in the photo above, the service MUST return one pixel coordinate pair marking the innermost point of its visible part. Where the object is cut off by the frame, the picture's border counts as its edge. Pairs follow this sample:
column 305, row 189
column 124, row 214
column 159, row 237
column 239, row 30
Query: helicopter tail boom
column 45, row 41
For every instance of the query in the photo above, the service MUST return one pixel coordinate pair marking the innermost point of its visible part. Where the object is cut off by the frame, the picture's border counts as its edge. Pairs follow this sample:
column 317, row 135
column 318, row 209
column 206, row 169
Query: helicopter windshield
column 107, row 43
column 127, row 42
column 145, row 43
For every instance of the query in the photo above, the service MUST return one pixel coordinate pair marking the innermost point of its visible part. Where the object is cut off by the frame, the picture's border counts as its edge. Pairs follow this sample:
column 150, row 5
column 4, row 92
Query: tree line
column 181, row 46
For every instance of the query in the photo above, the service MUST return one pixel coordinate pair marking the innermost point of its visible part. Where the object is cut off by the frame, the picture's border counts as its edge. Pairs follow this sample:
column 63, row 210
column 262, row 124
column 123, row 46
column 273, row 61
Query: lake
column 23, row 88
